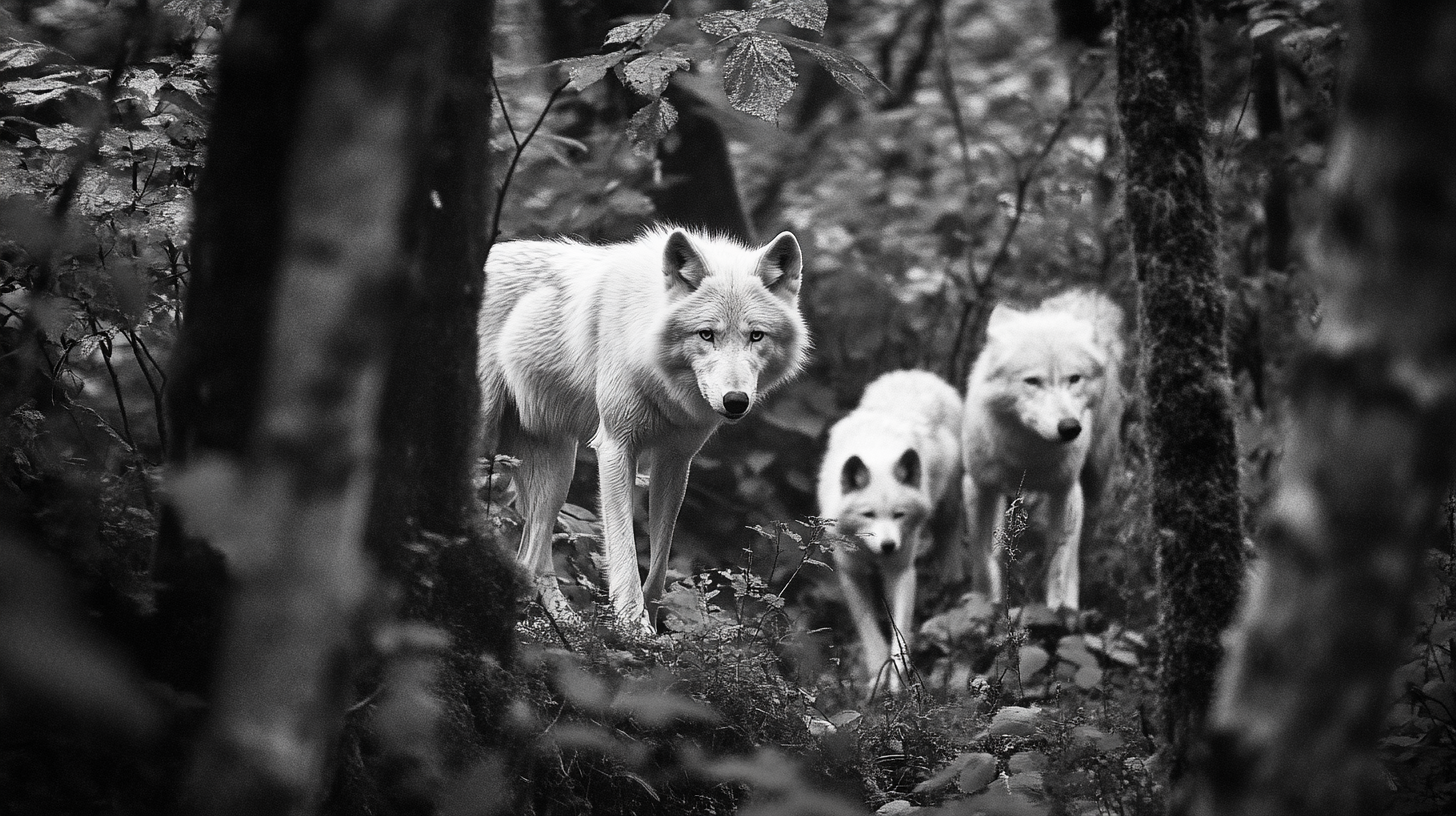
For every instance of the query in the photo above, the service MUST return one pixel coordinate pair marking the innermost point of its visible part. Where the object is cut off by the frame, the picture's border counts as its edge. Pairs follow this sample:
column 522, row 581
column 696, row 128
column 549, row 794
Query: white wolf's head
column 1044, row 369
column 734, row 326
column 884, row 502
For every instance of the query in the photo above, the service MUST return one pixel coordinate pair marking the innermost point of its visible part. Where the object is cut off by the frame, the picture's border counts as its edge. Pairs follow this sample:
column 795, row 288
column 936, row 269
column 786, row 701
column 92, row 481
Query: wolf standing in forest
column 1043, row 411
column 889, row 472
column 644, row 348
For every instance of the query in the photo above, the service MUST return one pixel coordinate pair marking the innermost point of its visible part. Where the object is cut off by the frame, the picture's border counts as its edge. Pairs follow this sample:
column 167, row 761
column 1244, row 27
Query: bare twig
column 520, row 144
column 980, row 283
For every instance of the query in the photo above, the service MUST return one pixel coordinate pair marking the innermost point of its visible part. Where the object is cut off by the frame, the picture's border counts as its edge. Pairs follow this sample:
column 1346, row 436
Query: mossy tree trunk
column 1195, row 505
column 1369, row 453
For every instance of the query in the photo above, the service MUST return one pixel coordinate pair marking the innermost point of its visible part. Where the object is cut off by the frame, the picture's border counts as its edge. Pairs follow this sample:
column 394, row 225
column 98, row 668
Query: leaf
column 759, row 76
column 584, row 72
column 953, row 771
column 728, row 23
column 649, row 125
column 1087, row 677
column 1265, row 27
column 656, row 709
column 1000, row 801
column 1033, row 660
column 849, row 72
column 638, row 31
column 810, row 14
column 648, row 75
column 1014, row 721
column 980, row 771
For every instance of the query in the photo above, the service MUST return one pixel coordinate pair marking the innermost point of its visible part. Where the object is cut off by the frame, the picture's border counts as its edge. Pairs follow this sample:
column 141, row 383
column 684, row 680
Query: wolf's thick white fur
column 891, row 466
column 1043, row 410
column 644, row 348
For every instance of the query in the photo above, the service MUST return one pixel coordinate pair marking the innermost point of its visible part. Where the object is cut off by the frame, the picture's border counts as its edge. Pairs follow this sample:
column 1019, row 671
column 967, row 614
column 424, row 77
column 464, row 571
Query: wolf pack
column 642, row 349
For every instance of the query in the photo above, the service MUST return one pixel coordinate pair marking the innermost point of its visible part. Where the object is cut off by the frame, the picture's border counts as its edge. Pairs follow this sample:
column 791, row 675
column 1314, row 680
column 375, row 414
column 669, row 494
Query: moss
column 1193, row 459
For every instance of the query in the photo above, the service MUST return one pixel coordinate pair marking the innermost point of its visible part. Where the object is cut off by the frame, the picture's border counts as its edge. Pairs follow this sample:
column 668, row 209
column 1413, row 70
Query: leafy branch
column 759, row 74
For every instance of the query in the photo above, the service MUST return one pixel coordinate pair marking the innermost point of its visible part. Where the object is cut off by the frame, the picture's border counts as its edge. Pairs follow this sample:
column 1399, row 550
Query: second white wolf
column 644, row 348
column 890, row 470
column 1043, row 413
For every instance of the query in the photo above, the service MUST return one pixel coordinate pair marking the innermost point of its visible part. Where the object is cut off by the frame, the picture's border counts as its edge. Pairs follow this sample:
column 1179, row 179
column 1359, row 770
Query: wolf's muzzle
column 735, row 404
column 1068, row 429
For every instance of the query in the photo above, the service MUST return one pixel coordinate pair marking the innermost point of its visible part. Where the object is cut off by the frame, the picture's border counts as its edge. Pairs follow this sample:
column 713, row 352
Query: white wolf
column 891, row 466
column 644, row 348
column 1043, row 410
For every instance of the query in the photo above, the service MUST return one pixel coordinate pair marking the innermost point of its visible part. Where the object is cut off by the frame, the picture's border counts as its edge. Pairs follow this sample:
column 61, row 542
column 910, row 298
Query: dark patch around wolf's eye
column 854, row 475
column 1074, row 379
column 755, row 336
column 899, row 514
column 1034, row 382
column 706, row 334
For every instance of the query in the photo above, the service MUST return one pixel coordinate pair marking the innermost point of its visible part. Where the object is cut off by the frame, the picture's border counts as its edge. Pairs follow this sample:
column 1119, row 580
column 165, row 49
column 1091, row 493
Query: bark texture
column 212, row 393
column 1370, row 448
column 289, row 510
column 1195, row 506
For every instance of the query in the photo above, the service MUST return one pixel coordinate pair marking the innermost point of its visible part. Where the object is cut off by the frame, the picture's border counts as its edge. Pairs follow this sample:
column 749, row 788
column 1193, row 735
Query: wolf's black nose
column 735, row 404
column 1068, row 429
column 887, row 547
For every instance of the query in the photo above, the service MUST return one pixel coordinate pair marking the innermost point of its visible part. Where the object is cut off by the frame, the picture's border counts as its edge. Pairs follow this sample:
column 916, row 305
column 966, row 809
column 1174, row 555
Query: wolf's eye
column 706, row 334
column 755, row 336
column 868, row 514
column 1074, row 379
column 1034, row 382
column 899, row 514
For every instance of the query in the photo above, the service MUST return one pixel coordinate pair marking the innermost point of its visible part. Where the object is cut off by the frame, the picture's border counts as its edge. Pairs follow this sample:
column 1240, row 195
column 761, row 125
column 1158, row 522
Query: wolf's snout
column 1068, row 429
column 887, row 546
column 735, row 404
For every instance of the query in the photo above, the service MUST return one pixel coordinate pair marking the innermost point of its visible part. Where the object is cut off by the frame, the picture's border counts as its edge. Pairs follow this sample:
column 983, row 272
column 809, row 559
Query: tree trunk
column 427, row 487
column 1369, row 452
column 212, row 393
column 288, row 512
column 1195, row 506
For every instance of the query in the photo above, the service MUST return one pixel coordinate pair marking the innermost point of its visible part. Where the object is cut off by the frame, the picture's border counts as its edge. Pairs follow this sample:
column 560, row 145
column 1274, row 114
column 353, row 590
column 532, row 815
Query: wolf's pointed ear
column 682, row 266
column 854, row 476
column 1001, row 317
column 907, row 469
column 781, row 266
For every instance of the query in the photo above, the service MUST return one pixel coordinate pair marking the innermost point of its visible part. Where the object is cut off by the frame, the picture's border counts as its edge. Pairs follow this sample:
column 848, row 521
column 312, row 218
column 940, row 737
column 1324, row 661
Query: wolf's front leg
column 857, row 594
column 900, row 591
column 664, row 500
column 617, row 472
column 1064, row 528
column 983, row 528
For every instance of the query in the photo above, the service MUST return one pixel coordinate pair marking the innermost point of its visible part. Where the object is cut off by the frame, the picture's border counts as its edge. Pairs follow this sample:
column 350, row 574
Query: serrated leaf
column 849, row 72
column 810, row 14
column 728, row 23
column 638, row 31
column 649, row 125
column 759, row 76
column 648, row 75
column 584, row 72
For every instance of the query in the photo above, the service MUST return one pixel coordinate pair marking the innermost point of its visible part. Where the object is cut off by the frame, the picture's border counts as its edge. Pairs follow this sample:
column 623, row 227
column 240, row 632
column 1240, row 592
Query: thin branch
column 981, row 283
column 505, row 187
column 138, row 349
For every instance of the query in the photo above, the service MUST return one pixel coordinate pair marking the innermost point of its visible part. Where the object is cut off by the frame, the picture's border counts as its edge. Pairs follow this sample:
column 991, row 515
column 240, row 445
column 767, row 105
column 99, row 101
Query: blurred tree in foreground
column 1370, row 450
column 1195, row 502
